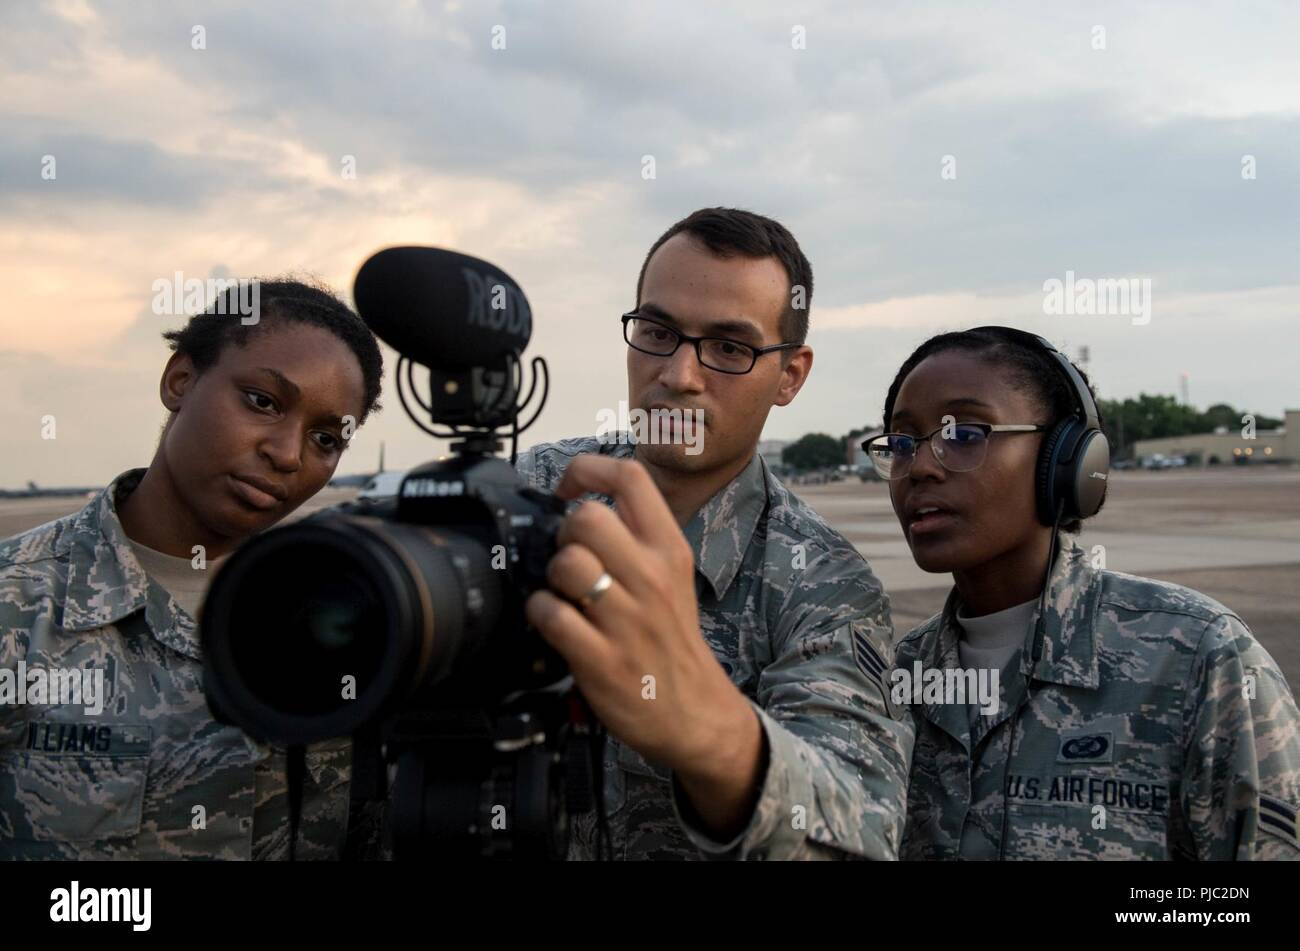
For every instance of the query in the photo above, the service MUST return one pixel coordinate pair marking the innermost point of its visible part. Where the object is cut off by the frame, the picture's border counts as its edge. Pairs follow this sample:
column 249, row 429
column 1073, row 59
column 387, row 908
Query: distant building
column 1276, row 445
column 854, row 454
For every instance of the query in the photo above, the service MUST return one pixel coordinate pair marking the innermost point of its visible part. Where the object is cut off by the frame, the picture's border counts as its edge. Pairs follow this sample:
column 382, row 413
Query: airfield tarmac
column 1232, row 533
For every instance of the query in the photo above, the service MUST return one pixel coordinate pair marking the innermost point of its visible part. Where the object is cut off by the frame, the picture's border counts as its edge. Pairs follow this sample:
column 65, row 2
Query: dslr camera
column 399, row 622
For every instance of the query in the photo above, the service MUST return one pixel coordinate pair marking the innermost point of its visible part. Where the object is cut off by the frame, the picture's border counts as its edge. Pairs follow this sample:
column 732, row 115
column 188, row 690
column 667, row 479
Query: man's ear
column 793, row 375
column 177, row 379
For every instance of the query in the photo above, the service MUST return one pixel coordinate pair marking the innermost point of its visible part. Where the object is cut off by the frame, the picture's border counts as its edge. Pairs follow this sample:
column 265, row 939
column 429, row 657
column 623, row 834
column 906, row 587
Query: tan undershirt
column 993, row 639
column 185, row 583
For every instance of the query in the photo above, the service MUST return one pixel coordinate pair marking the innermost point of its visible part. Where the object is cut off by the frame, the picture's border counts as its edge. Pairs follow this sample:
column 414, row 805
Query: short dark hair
column 728, row 231
column 1029, row 369
column 206, row 335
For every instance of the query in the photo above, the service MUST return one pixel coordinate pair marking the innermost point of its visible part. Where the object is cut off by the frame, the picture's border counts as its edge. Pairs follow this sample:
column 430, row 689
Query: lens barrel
column 313, row 630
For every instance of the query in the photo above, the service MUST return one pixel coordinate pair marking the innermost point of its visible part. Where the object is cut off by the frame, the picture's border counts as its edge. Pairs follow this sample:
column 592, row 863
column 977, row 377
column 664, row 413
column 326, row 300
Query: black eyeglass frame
column 696, row 341
column 989, row 429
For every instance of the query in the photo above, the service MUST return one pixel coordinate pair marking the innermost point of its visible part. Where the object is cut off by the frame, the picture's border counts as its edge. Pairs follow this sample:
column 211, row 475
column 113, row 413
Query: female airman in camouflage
column 257, row 425
column 1136, row 719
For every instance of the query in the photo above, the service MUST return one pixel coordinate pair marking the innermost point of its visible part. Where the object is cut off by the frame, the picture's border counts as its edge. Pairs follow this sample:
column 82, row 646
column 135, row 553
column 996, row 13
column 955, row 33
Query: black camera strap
column 295, row 768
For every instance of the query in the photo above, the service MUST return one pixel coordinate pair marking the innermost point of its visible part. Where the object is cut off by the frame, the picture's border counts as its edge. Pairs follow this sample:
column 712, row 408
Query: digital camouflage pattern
column 1157, row 727
column 801, row 625
column 73, row 595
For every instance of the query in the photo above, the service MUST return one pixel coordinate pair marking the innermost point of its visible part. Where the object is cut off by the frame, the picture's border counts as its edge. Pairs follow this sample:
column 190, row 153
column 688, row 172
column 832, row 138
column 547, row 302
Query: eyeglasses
column 961, row 448
column 716, row 353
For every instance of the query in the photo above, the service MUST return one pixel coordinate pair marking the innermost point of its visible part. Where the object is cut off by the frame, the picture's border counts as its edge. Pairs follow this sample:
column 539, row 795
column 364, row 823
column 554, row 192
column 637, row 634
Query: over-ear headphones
column 1074, row 461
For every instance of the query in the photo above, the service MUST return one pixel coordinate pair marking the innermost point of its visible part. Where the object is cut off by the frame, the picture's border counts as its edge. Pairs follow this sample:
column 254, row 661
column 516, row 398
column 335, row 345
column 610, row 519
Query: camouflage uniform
column 126, row 783
column 801, row 626
column 1153, row 710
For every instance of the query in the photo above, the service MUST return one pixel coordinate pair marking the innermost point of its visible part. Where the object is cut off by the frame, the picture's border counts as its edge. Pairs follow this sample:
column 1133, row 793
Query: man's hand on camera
column 637, row 651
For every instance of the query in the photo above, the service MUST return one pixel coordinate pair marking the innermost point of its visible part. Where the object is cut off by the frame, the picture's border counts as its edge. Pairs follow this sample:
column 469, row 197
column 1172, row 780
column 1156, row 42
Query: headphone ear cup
column 1091, row 474
column 1047, row 490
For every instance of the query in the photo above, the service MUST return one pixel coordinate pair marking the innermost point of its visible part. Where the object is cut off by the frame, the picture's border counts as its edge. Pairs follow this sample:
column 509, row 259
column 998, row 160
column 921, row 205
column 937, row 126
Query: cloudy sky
column 939, row 162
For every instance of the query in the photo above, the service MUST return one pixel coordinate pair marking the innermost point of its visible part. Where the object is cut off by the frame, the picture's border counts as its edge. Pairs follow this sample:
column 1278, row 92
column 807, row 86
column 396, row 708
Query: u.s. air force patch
column 873, row 666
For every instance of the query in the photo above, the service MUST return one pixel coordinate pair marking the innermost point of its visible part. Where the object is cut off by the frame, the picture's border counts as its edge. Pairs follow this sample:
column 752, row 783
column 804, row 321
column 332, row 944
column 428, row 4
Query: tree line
column 1125, row 422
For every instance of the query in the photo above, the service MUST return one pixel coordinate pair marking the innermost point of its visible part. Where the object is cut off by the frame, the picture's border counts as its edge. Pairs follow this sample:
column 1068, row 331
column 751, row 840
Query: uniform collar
column 938, row 651
column 1069, row 654
column 720, row 531
column 106, row 582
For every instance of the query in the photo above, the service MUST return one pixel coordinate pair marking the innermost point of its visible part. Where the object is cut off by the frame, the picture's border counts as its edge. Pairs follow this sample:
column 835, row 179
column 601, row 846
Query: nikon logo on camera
column 424, row 488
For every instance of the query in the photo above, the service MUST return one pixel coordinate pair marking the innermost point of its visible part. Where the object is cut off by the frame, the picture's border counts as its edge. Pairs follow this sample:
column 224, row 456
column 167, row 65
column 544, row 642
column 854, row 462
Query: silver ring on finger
column 597, row 591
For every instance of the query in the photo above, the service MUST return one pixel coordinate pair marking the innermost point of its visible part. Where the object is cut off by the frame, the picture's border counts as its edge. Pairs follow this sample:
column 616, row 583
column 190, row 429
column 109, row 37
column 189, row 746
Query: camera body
column 499, row 536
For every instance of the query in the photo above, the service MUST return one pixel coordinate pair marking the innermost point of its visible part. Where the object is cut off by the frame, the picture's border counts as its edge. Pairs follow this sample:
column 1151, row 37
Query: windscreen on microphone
column 441, row 308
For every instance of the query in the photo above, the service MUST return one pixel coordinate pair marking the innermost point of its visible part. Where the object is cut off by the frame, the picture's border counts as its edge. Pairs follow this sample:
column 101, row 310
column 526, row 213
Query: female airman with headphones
column 1136, row 719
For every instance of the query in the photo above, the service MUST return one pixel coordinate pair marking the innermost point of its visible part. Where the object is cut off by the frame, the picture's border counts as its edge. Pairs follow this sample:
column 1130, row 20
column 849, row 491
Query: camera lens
column 313, row 630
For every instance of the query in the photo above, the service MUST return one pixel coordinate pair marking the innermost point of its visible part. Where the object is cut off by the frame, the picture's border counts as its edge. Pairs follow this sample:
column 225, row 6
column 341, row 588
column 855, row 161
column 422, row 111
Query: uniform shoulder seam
column 1206, row 609
column 14, row 562
column 48, row 550
column 1209, row 617
column 783, row 513
column 921, row 629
